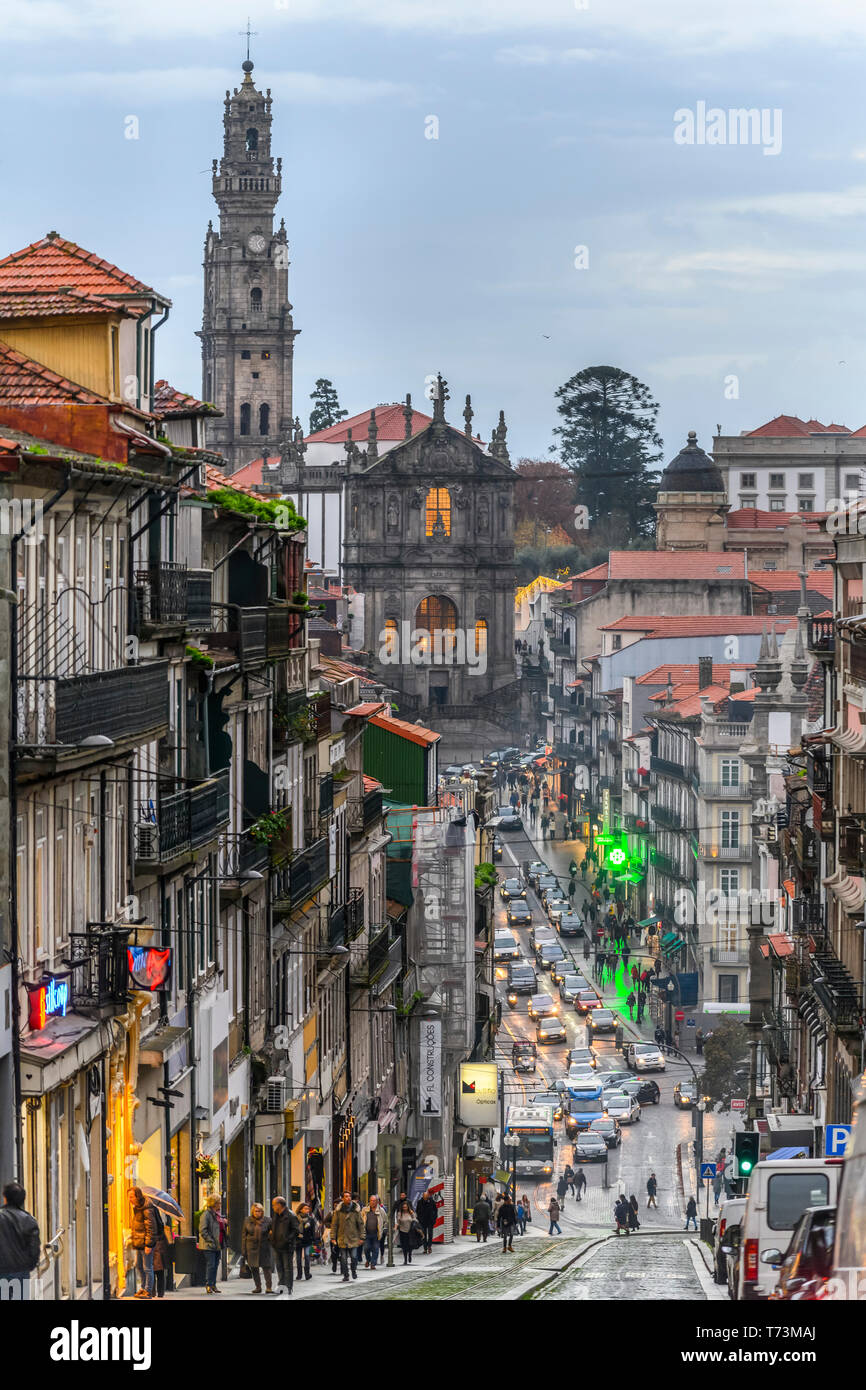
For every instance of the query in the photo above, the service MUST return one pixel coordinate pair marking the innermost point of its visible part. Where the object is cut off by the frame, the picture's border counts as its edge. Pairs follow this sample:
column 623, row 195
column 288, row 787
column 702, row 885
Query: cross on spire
column 250, row 34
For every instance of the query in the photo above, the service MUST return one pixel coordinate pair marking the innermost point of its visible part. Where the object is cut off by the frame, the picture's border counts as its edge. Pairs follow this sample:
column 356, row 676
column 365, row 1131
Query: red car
column 587, row 999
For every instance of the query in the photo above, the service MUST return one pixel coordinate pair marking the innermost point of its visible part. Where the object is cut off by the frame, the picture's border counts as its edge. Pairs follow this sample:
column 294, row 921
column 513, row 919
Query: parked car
column 644, row 1057
column 511, row 888
column 807, row 1264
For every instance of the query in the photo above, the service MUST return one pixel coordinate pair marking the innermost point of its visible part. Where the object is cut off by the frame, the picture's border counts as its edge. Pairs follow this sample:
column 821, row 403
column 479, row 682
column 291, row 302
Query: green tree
column 724, row 1051
column 608, row 439
column 326, row 409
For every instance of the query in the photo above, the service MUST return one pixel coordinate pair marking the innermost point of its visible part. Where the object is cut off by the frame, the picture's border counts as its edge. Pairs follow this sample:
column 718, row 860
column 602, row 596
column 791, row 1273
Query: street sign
column 708, row 1170
column 679, row 1015
column 835, row 1139
column 690, row 1023
column 738, row 1104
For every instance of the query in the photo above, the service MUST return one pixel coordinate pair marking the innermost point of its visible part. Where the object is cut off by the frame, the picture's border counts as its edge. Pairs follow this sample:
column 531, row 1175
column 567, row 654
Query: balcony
column 742, row 851
column 564, row 702
column 729, row 733
column 666, row 766
column 663, row 815
column 183, row 821
column 244, row 855
column 819, row 773
column 822, row 638
column 369, row 962
column 326, row 794
column 808, row 915
column 100, row 977
column 566, row 749
column 283, row 629
column 161, row 595
column 363, row 811
column 722, row 791
column 123, row 704
column 609, row 784
column 857, row 660
column 337, row 926
column 355, row 914
column 663, row 864
column 241, row 631
column 560, row 646
column 839, row 993
column 302, row 877
column 720, row 955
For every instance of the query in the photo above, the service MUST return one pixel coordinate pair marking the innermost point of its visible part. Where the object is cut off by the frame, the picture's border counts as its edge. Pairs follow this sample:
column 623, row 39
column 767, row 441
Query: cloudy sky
column 728, row 279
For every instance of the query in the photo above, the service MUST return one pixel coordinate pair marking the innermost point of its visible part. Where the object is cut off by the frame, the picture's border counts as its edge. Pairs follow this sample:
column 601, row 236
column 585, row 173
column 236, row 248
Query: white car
column 644, row 1057
column 620, row 1106
column 556, row 908
column 505, row 946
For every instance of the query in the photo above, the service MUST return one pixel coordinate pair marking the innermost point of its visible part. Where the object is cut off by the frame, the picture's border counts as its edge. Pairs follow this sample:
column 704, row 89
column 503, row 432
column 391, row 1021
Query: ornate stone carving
column 393, row 513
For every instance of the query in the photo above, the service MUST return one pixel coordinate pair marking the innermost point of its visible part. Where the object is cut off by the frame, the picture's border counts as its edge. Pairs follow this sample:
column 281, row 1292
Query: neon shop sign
column 47, row 1000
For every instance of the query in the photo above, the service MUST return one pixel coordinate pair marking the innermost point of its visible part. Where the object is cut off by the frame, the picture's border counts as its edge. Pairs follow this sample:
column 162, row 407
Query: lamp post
column 512, row 1142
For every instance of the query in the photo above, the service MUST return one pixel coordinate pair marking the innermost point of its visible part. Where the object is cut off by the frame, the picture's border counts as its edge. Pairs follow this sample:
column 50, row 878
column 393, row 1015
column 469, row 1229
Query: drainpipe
column 152, row 370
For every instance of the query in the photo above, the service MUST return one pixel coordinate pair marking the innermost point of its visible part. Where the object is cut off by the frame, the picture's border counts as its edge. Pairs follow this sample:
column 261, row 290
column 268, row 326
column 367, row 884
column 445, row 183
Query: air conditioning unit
column 276, row 1098
column 772, row 607
column 147, row 840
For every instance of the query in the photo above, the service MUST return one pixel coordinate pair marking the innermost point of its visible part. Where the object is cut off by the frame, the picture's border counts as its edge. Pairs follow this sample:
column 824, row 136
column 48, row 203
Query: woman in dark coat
column 256, row 1247
column 161, row 1254
column 633, row 1223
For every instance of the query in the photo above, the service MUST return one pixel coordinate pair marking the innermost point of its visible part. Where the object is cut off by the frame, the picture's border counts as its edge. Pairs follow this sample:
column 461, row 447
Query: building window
column 730, row 772
column 730, row 882
column 777, row 504
column 852, row 482
column 435, row 614
column 481, row 636
column 252, row 138
column 245, row 418
column 805, row 504
column 729, row 989
column 777, row 480
column 730, row 830
column 245, row 355
column 806, row 481
column 392, row 638
column 747, row 480
column 438, row 512
column 256, row 300
column 264, row 419
column 617, row 641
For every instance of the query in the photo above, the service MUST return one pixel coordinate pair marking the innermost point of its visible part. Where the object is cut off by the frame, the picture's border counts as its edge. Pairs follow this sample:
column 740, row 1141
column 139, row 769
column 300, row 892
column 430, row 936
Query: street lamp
column 512, row 1142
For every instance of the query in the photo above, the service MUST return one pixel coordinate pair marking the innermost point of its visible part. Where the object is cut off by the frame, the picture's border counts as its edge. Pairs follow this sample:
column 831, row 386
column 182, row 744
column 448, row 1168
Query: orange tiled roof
column 597, row 572
column 168, row 402
column 791, row 427
column 390, row 423
column 25, row 382
column 676, row 564
column 688, row 671
column 371, row 784
column 694, row 626
column 753, row 519
column 788, row 581
column 690, row 705
column 216, row 480
column 53, row 265
column 366, row 708
column 46, row 304
column 414, row 732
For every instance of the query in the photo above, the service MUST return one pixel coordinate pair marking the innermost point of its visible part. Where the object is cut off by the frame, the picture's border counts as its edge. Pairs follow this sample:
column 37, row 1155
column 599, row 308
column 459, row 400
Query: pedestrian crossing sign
column 708, row 1170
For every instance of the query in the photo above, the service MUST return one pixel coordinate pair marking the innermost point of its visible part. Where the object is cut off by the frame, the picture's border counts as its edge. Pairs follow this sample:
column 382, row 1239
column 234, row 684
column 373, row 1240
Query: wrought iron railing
column 822, row 636
column 182, row 820
column 161, row 593
column 100, row 973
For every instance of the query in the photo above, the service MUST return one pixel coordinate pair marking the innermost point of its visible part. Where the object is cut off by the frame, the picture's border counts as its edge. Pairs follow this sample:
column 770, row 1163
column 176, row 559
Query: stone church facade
column 429, row 543
column 247, row 332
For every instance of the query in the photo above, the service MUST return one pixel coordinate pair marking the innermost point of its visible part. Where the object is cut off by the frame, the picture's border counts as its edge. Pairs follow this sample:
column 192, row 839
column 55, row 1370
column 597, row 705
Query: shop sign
column 47, row 1000
column 149, row 967
column 478, row 1105
column 431, row 1066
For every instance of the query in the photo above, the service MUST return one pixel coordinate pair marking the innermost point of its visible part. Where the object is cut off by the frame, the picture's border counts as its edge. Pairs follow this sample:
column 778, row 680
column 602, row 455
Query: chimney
column 705, row 672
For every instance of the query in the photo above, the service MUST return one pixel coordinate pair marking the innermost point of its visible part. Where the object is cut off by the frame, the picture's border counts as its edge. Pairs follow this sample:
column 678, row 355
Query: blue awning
column 791, row 1152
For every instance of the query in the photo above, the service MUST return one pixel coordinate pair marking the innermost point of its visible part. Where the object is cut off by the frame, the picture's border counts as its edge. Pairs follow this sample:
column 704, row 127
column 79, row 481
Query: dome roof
column 692, row 471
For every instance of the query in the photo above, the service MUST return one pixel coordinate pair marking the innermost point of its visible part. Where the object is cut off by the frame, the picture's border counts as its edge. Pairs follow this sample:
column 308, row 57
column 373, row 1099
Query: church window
column 391, row 637
column 255, row 376
column 256, row 300
column 245, row 418
column 252, row 138
column 245, row 355
column 438, row 512
column 435, row 614
column 264, row 419
column 480, row 636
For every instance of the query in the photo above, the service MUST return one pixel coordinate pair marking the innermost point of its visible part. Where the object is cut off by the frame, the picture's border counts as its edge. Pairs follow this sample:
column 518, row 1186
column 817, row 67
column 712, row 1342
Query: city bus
column 534, row 1126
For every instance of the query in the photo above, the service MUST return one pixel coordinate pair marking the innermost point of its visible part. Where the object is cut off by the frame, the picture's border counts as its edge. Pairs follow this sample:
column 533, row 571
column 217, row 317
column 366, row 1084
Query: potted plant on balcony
column 274, row 829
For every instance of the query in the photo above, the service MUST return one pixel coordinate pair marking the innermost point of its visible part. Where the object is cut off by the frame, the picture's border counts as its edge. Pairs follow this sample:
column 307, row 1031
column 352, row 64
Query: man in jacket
column 284, row 1234
column 19, row 1239
column 427, row 1211
column 481, row 1214
column 373, row 1217
column 652, row 1188
column 347, row 1229
column 691, row 1213
column 144, row 1234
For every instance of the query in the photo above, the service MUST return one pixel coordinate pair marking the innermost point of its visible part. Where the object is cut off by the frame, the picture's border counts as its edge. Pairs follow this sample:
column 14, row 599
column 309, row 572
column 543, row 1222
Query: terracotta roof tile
column 371, row 784
column 597, row 572
column 676, row 564
column 217, row 480
column 390, row 422
column 753, row 519
column 688, row 671
column 694, row 626
column 366, row 708
column 168, row 402
column 25, row 382
column 792, row 427
column 53, row 264
column 788, row 581
column 46, row 304
column 414, row 732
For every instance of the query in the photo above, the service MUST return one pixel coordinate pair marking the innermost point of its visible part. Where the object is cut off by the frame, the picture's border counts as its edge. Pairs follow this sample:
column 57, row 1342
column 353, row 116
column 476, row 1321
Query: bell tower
column 247, row 333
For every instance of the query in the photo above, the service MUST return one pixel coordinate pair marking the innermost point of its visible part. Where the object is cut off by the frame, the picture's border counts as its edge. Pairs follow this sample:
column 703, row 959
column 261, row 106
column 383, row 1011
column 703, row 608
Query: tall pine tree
column 326, row 408
column 608, row 439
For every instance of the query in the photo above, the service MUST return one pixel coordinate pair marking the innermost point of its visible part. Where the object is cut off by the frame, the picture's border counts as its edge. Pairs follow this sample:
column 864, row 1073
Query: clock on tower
column 247, row 332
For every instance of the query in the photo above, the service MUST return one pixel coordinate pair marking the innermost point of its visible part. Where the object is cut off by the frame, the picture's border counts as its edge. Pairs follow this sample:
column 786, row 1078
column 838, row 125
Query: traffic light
column 746, row 1152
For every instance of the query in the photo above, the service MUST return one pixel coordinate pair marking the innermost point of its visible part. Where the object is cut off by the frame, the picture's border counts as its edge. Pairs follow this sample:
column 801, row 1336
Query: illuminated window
column 391, row 637
column 438, row 512
column 435, row 614
column 480, row 636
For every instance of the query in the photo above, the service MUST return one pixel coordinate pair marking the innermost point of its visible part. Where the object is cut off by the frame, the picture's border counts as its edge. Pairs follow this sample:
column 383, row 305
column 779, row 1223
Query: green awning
column 670, row 943
column 649, row 921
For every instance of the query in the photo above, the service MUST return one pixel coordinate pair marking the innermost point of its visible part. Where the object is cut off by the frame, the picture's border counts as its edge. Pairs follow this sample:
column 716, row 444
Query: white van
column 729, row 1214
column 849, row 1255
column 780, row 1190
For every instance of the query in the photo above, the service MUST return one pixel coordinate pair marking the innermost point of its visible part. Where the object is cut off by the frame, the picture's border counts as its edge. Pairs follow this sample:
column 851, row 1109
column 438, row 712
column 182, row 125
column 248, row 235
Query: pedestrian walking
column 626, row 951
column 284, row 1234
column 553, row 1212
column 373, row 1217
column 633, row 1222
column 427, row 1212
column 691, row 1213
column 514, row 800
column 507, row 1223
column 677, row 1039
column 585, row 943
column 20, row 1248
column 527, row 1207
column 580, row 1183
column 521, row 1217
column 601, row 959
column 583, row 869
column 659, row 1036
column 620, row 1214
column 571, row 888
column 631, row 1001
column 481, row 1213
column 545, row 821
column 652, row 1188
column 256, row 1247
column 305, row 1241
column 561, row 1188
column 699, row 1041
column 403, row 1223
column 143, row 1237
column 635, row 975
column 209, row 1235
column 641, row 1005
column 568, row 1174
column 347, row 1229
column 161, row 1254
